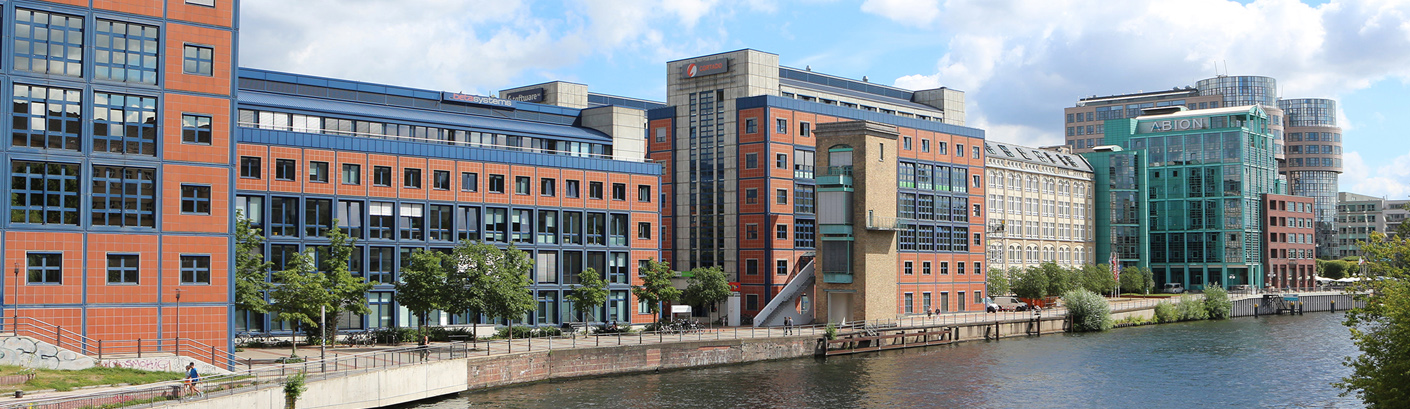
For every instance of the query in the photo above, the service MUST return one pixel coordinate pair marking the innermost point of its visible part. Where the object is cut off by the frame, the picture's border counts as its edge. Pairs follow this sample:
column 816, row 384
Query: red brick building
column 1289, row 238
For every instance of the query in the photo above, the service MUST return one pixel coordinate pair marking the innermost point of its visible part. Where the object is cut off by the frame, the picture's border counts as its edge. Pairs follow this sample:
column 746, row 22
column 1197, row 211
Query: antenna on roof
column 864, row 79
column 807, row 68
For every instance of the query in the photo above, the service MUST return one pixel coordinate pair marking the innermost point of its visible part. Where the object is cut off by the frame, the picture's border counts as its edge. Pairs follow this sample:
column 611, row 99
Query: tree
column 1096, row 278
column 507, row 292
column 1031, row 283
column 1402, row 230
column 998, row 281
column 1136, row 280
column 706, row 286
column 1333, row 269
column 299, row 292
column 471, row 266
column 349, row 292
column 1060, row 280
column 1381, row 328
column 590, row 293
column 422, row 284
column 656, row 286
column 251, row 269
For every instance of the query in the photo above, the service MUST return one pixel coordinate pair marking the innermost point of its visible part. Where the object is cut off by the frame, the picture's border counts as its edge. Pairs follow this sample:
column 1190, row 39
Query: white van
column 1173, row 288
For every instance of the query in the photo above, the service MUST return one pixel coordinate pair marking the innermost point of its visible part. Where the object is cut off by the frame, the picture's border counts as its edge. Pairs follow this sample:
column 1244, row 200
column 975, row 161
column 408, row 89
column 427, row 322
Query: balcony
column 875, row 222
column 836, row 176
column 837, row 278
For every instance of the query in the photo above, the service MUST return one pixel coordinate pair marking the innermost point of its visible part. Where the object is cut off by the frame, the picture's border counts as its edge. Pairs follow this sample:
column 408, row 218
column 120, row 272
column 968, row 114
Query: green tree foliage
column 1381, row 329
column 590, row 293
column 1191, row 309
column 349, row 292
column 1136, row 280
column 1096, row 278
column 471, row 265
column 1166, row 312
column 656, row 286
column 299, row 292
column 998, row 281
column 1088, row 310
column 1402, row 231
column 1333, row 269
column 1060, row 280
column 507, row 294
column 251, row 268
column 1216, row 303
column 706, row 286
column 422, row 285
column 1031, row 283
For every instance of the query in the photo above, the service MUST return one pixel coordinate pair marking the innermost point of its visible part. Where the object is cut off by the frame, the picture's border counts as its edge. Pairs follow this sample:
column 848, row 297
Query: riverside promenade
column 380, row 376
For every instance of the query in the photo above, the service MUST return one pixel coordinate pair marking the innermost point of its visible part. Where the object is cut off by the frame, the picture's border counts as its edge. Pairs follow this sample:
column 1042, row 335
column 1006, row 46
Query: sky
column 1019, row 62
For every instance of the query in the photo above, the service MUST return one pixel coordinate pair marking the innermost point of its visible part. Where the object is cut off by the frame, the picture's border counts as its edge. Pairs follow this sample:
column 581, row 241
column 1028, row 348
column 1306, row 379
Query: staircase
column 781, row 306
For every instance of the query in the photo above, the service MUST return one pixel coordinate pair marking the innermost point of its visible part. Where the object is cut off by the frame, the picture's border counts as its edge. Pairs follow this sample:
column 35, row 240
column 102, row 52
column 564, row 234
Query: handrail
column 64, row 338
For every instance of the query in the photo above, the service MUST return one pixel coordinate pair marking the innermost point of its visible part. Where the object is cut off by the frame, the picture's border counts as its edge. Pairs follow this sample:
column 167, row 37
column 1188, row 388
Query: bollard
column 1334, row 305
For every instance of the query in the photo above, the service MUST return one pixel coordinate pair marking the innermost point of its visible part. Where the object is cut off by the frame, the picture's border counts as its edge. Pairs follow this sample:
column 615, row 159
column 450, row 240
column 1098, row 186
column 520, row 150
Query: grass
column 68, row 380
column 1150, row 295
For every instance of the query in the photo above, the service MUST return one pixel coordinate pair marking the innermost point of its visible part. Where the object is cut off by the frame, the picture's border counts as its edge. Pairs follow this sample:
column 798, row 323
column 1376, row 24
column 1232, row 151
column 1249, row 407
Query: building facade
column 1040, row 206
column 1314, row 161
column 1360, row 215
column 740, row 183
column 421, row 169
column 1208, row 171
column 1289, row 237
column 119, row 166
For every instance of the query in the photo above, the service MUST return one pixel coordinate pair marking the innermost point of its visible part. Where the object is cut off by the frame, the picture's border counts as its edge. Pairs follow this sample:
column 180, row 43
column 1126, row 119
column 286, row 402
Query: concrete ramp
column 782, row 305
column 33, row 353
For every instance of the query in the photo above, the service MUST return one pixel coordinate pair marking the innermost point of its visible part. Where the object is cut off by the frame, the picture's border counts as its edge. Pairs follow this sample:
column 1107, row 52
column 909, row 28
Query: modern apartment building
column 1290, row 240
column 1207, row 172
column 119, row 166
column 741, row 182
column 1360, row 215
column 1040, row 206
column 1314, row 161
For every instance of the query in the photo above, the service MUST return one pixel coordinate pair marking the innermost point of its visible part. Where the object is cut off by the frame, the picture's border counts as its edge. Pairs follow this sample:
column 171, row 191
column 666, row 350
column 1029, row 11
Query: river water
column 1281, row 361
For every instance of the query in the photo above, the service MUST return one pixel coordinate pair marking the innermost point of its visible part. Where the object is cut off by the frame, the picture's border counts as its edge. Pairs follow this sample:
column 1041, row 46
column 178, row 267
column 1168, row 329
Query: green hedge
column 1088, row 311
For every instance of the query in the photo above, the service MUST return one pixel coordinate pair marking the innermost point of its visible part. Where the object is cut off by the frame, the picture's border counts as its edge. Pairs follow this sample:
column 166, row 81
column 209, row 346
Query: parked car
column 1173, row 288
column 1005, row 303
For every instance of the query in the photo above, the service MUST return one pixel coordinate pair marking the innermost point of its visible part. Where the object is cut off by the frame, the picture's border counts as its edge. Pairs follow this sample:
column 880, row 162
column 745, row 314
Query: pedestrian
column 423, row 346
column 191, row 378
column 787, row 325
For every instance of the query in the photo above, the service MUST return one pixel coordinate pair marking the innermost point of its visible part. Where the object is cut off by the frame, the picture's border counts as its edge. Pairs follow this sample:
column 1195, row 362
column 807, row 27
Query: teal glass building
column 1203, row 173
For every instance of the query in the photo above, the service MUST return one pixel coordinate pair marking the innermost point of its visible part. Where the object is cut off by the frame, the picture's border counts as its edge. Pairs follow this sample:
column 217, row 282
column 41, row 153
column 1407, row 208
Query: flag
column 1115, row 267
column 1360, row 261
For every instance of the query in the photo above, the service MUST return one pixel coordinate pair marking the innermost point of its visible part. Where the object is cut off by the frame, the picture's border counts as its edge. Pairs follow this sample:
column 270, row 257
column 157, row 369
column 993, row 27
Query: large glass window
column 125, row 52
column 44, row 193
column 252, row 209
column 284, row 216
column 497, row 225
column 48, row 43
column 469, row 223
column 381, row 219
column 617, row 272
column 197, row 60
column 572, row 228
column 122, row 268
column 47, row 118
column 411, row 221
column 381, row 263
column 548, row 227
column 596, row 228
column 124, row 196
column 350, row 217
column 44, row 268
column 521, row 225
column 618, row 230
column 318, row 217
column 440, row 223
column 124, row 124
column 195, row 269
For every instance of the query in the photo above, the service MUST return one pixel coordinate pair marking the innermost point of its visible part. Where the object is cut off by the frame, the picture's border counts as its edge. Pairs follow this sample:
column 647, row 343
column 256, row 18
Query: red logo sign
column 734, row 286
column 703, row 68
column 690, row 70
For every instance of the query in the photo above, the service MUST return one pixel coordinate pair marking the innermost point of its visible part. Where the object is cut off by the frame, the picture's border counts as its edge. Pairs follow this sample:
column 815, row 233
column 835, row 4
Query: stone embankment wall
column 169, row 363
column 32, row 353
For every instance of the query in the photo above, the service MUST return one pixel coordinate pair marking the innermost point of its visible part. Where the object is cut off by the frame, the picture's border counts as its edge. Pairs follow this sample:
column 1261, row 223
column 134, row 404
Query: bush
column 1165, row 312
column 830, row 332
column 604, row 329
column 521, row 331
column 393, row 335
column 1191, row 309
column 1088, row 311
column 1216, row 303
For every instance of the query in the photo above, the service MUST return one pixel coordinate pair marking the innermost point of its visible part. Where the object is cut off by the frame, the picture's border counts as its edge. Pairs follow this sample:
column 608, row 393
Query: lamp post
column 16, row 303
column 178, row 321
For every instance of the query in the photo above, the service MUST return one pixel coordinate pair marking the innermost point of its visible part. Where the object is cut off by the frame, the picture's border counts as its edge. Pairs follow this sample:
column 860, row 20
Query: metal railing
column 321, row 131
column 101, row 349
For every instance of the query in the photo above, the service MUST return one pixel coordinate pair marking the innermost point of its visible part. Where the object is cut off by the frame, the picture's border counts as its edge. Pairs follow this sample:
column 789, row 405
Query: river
column 1281, row 361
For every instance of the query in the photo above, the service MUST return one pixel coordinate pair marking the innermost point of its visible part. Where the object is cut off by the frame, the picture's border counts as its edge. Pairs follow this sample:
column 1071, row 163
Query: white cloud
column 909, row 12
column 1030, row 58
column 1392, row 181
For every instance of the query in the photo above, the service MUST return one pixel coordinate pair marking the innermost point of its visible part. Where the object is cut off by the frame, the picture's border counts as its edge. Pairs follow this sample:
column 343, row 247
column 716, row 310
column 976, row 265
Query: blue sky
column 1020, row 62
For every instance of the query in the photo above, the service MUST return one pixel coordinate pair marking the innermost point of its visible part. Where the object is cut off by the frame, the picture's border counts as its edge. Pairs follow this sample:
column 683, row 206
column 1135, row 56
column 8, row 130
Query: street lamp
column 16, row 303
column 178, row 319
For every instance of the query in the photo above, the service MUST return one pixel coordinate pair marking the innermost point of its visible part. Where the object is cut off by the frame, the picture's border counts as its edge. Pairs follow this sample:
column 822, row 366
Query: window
column 751, row 160
column 440, row 179
column 411, row 178
column 284, row 169
column 380, row 221
column 196, row 129
column 781, row 267
column 440, row 223
column 944, row 268
column 617, row 234
column 805, row 129
column 595, row 190
column 751, row 302
column 46, row 118
column 195, row 269
column 751, row 232
column 619, row 191
column 381, row 176
column 44, row 193
column 660, row 134
column 521, row 225
column 124, row 196
column 548, row 187
column 352, row 174
column 751, row 125
column 751, row 196
column 124, row 124
column 48, row 43
column 596, row 228
column 44, row 268
column 643, row 193
column 751, row 266
column 284, row 216
column 496, row 183
column 906, row 143
column 959, row 267
column 207, row 3
column 977, row 269
column 782, row 125
column 122, row 269
column 925, row 268
column 469, row 181
column 197, row 60
column 570, row 188
column 781, row 161
column 411, row 220
column 318, row 172
column 643, row 230
column 350, row 217
column 908, row 268
column 496, row 225
column 781, row 231
column 572, row 228
column 126, row 52
column 195, row 199
column 940, row 148
column 975, row 155
column 781, row 196
column 521, row 185
column 318, row 217
column 959, row 150
column 925, row 145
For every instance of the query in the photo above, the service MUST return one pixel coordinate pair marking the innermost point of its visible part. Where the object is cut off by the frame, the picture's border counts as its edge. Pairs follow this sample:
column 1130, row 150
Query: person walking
column 191, row 378
column 787, row 325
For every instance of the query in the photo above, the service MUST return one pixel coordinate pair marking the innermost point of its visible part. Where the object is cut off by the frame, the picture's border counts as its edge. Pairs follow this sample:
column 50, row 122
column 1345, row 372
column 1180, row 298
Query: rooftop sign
column 1182, row 124
column 477, row 100
column 531, row 95
column 707, row 67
